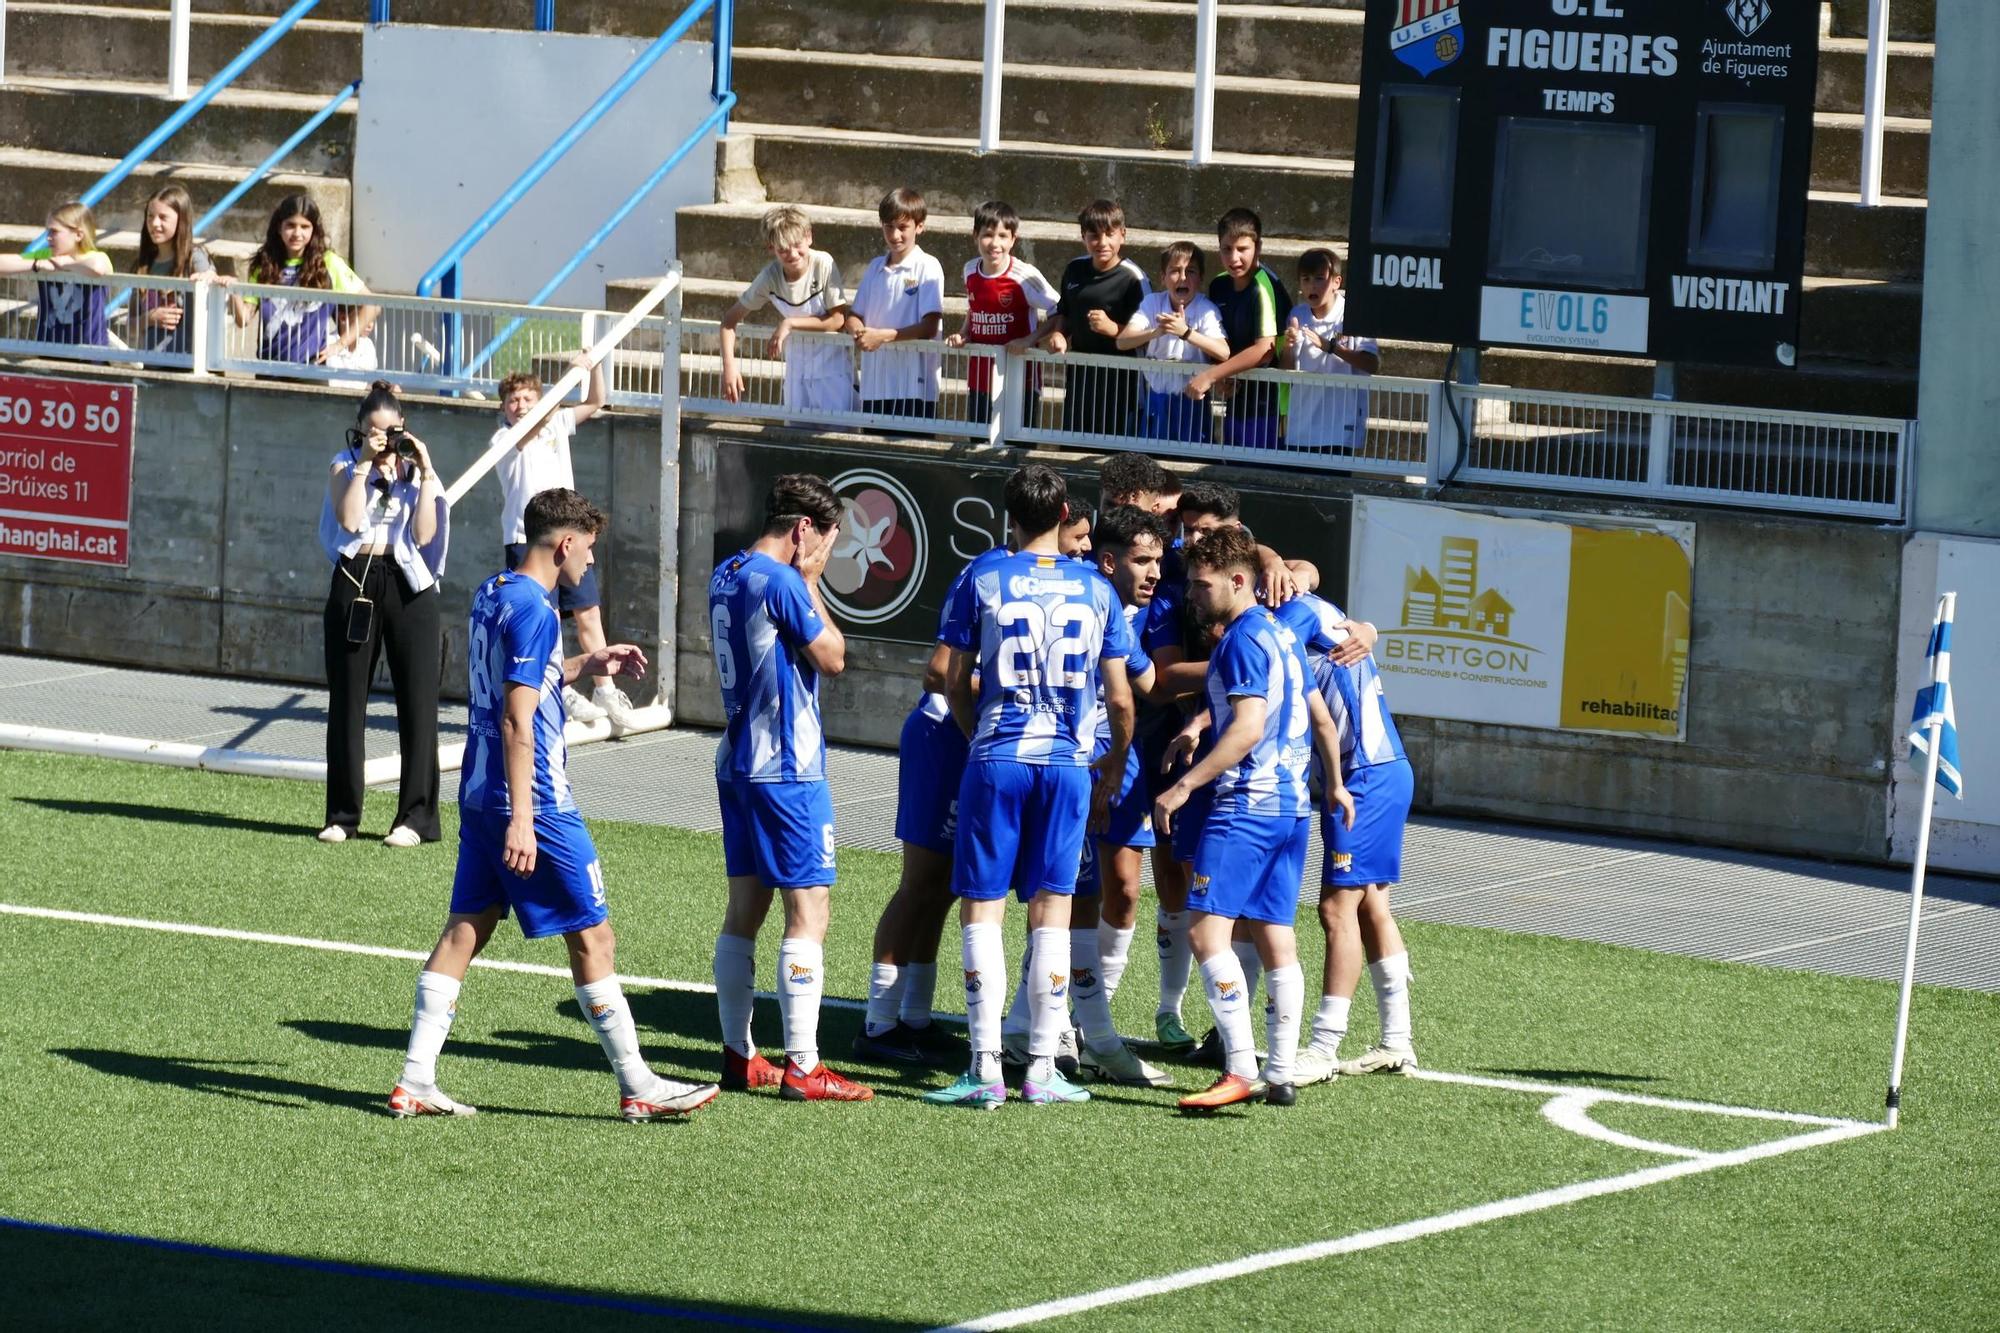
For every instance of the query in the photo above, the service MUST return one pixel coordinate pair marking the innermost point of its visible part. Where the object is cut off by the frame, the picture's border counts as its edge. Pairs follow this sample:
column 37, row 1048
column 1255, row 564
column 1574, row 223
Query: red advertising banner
column 66, row 468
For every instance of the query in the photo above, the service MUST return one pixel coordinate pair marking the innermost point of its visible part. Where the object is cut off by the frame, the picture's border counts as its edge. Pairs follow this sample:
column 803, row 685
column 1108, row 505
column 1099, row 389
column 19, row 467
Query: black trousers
column 406, row 624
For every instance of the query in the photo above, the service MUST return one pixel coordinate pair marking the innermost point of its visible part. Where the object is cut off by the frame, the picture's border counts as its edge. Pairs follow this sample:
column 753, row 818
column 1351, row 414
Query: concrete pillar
column 1958, row 454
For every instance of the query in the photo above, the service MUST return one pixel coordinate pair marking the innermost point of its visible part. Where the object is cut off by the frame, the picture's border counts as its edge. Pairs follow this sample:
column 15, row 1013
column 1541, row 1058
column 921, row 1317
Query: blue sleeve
column 1242, row 666
column 529, row 631
column 1163, row 623
column 961, row 616
column 792, row 609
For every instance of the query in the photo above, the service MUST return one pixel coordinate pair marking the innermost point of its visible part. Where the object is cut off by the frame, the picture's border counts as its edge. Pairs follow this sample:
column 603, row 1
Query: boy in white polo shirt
column 900, row 298
column 802, row 285
column 1317, row 341
column 1177, row 323
column 541, row 463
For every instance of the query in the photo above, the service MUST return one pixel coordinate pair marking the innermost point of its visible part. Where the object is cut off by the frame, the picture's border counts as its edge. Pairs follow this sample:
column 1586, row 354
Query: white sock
column 801, row 982
column 1114, row 950
column 1176, row 959
column 1222, row 975
column 736, row 990
column 603, row 1005
column 885, row 997
column 1253, row 967
column 919, row 993
column 1286, row 987
column 430, row 1024
column 1048, row 994
column 985, row 972
column 1017, row 1010
column 1330, row 1023
column 1088, row 992
column 1391, row 976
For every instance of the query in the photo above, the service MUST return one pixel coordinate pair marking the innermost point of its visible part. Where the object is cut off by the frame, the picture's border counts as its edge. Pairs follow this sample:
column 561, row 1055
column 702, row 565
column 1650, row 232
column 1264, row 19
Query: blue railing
column 443, row 278
column 545, row 14
column 263, row 169
column 187, row 110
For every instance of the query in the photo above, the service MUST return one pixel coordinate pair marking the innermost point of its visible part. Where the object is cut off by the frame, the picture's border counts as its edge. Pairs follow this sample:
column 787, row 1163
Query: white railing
column 1874, row 94
column 1419, row 431
column 178, row 15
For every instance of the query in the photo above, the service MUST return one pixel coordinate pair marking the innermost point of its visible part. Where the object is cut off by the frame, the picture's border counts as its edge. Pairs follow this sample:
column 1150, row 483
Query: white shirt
column 817, row 293
column 1323, row 416
column 541, row 464
column 1202, row 316
column 895, row 297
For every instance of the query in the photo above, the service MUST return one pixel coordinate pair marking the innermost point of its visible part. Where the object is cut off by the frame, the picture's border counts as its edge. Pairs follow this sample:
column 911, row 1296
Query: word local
column 1408, row 271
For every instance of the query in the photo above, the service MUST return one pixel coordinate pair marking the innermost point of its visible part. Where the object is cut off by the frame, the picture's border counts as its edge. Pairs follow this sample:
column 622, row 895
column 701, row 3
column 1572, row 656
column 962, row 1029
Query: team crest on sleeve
column 1427, row 35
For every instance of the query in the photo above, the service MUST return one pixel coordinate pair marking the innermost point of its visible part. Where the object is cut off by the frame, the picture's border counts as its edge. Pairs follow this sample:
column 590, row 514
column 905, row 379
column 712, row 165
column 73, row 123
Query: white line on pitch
column 1557, row 873
column 1635, row 1099
column 366, row 950
column 1847, row 934
column 1518, row 1206
column 51, row 680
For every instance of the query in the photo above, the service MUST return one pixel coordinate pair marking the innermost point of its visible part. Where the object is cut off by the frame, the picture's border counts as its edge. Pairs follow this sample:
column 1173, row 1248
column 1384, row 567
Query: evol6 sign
column 1531, row 622
column 66, row 469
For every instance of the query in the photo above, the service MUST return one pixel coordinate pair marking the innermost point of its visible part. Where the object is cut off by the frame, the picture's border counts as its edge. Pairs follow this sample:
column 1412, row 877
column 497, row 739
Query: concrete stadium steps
column 31, row 181
column 1259, row 41
column 122, row 246
column 127, row 43
column 845, row 174
column 1843, row 76
column 1909, row 20
column 97, row 116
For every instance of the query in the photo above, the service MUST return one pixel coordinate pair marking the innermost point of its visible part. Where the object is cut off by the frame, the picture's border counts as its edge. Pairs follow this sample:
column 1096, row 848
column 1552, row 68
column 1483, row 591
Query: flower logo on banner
column 878, row 562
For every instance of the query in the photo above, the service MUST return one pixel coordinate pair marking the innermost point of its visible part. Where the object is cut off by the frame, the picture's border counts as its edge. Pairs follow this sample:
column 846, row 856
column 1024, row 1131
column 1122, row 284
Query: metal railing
column 925, row 387
column 1873, row 95
column 85, row 317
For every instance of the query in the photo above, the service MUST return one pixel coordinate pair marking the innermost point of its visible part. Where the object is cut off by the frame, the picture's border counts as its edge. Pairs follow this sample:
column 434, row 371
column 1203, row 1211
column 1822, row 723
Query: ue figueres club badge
column 877, row 565
column 1427, row 36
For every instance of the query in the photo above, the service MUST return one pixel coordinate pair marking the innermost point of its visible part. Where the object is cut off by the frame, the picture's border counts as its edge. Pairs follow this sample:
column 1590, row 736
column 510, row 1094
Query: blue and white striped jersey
column 760, row 618
column 1039, row 624
column 1353, row 694
column 1137, row 663
column 514, row 638
column 1259, row 657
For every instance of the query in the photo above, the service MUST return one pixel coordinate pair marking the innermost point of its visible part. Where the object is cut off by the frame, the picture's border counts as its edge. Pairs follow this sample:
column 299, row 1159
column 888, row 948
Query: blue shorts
column 1189, row 821
column 1175, row 416
column 567, row 599
column 1251, row 430
column 566, row 892
column 781, row 832
column 1021, row 828
column 1247, row 867
column 930, row 765
column 1372, row 851
column 1131, row 818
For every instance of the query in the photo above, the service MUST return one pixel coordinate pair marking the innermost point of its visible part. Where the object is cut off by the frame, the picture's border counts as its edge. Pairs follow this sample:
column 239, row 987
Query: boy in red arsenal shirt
column 1004, row 298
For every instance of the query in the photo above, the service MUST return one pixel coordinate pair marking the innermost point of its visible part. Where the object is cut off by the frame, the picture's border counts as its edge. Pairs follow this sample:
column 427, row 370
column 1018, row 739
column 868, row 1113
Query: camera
column 399, row 440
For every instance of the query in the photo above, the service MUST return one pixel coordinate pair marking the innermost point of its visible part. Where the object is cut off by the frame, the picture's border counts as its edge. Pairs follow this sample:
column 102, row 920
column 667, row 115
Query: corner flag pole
column 1934, row 734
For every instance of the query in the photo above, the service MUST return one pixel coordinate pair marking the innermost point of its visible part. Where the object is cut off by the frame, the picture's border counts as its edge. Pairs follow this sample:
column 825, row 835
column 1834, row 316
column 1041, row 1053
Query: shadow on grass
column 692, row 1015
column 239, row 1080
column 164, row 815
column 78, row 1278
column 544, row 1050
column 1572, row 1075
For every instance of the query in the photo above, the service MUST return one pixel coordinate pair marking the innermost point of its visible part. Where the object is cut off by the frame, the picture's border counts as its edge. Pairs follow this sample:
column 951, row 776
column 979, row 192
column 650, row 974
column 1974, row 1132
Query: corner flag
column 1934, row 704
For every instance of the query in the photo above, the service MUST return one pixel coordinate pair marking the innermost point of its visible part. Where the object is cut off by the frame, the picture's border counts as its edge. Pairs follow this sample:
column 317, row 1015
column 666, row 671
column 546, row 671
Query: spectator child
column 295, row 254
column 1101, row 291
column 900, row 298
column 803, row 286
column 1176, row 323
column 1253, row 303
column 1323, row 418
column 541, row 462
column 67, row 313
column 1003, row 296
column 168, row 249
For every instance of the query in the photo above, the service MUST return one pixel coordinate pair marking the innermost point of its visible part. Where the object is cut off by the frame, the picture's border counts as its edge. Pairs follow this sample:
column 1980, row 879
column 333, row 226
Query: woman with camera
column 384, row 525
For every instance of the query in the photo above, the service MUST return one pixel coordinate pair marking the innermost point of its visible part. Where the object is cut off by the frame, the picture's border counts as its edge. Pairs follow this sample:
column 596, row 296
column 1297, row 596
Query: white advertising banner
column 1487, row 617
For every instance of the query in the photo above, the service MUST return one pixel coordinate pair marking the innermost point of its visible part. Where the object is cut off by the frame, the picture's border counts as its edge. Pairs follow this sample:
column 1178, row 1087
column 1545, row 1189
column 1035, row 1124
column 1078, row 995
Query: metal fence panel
column 118, row 319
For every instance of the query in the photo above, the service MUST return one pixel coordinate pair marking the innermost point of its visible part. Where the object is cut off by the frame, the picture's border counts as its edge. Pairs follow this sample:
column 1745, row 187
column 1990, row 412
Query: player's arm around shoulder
column 1326, row 739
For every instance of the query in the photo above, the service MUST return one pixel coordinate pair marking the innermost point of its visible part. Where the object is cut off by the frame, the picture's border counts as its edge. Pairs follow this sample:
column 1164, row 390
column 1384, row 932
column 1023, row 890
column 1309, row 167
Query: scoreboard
column 1618, row 177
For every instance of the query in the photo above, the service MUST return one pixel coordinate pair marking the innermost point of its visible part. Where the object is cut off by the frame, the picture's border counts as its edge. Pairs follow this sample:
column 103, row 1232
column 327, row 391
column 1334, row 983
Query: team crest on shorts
column 1343, row 860
column 1200, row 885
column 1427, row 35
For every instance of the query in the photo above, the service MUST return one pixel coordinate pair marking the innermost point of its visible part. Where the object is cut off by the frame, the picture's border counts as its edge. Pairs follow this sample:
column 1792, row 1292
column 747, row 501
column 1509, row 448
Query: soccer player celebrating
column 1362, row 860
column 1037, row 628
column 1254, row 839
column 772, row 641
column 521, row 842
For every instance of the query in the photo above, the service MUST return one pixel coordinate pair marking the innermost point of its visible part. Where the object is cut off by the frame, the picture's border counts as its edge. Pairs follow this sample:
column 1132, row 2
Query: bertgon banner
column 1581, row 625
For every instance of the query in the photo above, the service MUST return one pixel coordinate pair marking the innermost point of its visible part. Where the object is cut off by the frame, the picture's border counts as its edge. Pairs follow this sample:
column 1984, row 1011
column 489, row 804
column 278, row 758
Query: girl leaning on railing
column 66, row 313
column 294, row 329
column 168, row 249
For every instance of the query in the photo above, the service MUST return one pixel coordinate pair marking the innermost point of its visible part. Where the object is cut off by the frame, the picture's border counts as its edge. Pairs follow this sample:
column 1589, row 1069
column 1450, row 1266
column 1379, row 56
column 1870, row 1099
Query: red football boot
column 740, row 1073
column 822, row 1085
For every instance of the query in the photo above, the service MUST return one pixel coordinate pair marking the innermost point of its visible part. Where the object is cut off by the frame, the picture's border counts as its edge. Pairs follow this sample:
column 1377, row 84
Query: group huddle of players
column 1152, row 680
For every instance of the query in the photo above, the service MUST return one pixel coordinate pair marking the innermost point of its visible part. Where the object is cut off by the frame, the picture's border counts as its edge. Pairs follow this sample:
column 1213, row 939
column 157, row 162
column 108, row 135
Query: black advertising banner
column 914, row 520
column 1623, row 177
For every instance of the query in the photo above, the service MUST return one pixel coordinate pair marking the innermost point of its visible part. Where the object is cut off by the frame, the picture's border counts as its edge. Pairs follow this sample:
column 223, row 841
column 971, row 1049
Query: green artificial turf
column 228, row 1093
